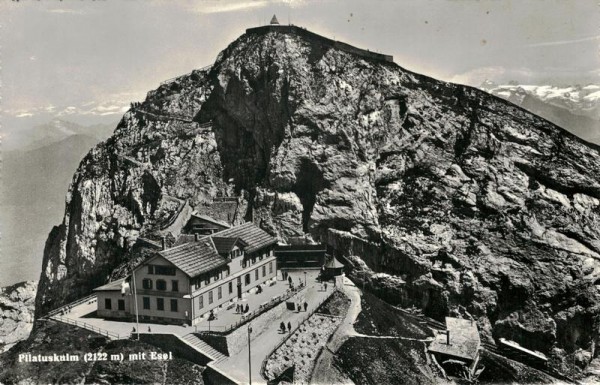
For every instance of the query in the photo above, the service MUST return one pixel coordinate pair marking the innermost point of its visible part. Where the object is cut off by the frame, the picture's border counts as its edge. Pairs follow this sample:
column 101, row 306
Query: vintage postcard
column 296, row 191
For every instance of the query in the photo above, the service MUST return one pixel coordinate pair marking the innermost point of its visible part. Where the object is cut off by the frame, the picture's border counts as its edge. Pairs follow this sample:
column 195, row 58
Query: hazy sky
column 91, row 58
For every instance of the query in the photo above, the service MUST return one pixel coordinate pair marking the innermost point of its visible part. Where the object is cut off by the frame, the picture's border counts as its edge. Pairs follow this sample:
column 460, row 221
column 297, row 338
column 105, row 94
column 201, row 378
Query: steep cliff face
column 470, row 204
column 16, row 313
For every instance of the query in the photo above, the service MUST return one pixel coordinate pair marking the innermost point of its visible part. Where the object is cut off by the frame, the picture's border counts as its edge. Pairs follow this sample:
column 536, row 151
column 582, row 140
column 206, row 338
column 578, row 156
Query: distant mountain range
column 35, row 179
column 576, row 108
column 55, row 130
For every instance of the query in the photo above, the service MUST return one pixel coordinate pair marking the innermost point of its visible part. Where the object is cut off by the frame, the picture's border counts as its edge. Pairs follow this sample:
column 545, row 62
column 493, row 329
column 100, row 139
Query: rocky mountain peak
column 461, row 202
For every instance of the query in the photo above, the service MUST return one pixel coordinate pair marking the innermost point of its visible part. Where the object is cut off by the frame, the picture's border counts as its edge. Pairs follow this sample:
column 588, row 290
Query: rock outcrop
column 17, row 304
column 468, row 204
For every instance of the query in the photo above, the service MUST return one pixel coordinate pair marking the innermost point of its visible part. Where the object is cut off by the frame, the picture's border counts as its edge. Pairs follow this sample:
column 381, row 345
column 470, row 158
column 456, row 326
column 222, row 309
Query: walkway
column 227, row 317
column 324, row 371
column 237, row 366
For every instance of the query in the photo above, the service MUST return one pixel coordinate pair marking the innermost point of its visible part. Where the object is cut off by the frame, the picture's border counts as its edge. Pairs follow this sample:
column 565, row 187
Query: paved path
column 325, row 372
column 264, row 344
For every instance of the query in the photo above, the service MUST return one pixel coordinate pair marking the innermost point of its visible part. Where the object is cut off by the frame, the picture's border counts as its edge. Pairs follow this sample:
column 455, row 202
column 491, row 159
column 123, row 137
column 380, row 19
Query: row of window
column 120, row 304
column 230, row 285
column 208, row 277
column 161, row 284
column 160, row 304
column 251, row 261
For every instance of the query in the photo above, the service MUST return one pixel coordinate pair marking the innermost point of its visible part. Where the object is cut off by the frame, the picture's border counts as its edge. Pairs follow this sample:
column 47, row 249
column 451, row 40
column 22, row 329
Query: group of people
column 299, row 306
column 240, row 308
column 282, row 327
column 291, row 283
column 66, row 309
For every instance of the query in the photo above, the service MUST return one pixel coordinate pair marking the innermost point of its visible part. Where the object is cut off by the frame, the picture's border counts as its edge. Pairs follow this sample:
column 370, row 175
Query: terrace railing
column 251, row 315
column 90, row 327
column 90, row 298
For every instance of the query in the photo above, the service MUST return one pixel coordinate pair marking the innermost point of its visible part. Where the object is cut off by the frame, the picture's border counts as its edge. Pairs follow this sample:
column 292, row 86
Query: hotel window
column 160, row 304
column 197, row 283
column 174, row 285
column 207, row 279
column 230, row 287
column 270, row 267
column 121, row 304
column 210, row 297
column 247, row 279
column 219, row 292
column 107, row 304
column 200, row 301
column 146, row 301
column 174, row 305
column 256, row 275
column 243, row 263
column 261, row 256
column 161, row 285
column 264, row 269
column 253, row 259
column 215, row 276
column 150, row 269
column 147, row 284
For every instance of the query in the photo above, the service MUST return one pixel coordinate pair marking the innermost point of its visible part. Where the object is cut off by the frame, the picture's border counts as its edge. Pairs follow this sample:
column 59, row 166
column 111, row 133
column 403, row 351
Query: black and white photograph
column 247, row 192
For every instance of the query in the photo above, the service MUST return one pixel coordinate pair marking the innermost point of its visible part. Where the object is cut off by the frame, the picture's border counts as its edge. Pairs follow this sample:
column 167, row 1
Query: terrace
column 83, row 313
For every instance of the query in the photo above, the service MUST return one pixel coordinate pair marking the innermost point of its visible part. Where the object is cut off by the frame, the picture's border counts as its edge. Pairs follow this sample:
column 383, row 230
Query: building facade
column 184, row 283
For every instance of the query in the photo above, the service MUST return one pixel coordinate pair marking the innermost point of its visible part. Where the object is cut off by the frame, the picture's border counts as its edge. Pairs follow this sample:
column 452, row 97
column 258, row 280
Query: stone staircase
column 204, row 348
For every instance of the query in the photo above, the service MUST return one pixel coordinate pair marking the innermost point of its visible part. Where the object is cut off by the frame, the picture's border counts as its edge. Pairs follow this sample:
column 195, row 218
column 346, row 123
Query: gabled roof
column 334, row 264
column 194, row 258
column 111, row 286
column 211, row 220
column 225, row 244
column 254, row 237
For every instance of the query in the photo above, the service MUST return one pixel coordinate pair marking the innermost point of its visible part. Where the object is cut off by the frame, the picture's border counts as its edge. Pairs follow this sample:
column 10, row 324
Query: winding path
column 324, row 371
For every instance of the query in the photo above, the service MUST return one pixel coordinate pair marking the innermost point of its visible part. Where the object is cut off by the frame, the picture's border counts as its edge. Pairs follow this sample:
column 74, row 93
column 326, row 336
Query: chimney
column 164, row 243
column 196, row 237
column 448, row 337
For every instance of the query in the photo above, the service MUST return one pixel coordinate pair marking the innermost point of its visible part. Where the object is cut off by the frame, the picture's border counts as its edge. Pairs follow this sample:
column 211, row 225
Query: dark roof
column 149, row 242
column 225, row 244
column 334, row 264
column 111, row 286
column 254, row 237
column 194, row 258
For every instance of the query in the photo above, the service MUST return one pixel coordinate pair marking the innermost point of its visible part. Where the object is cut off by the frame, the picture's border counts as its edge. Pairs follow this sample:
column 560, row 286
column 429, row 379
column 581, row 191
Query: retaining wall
column 212, row 376
column 172, row 343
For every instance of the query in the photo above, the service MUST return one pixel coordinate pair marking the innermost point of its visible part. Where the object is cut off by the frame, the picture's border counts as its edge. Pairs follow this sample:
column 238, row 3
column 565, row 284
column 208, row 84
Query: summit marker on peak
column 274, row 20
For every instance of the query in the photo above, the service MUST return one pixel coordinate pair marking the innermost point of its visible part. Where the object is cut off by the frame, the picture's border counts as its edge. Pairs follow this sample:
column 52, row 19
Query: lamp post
column 249, row 356
column 305, row 279
column 137, row 318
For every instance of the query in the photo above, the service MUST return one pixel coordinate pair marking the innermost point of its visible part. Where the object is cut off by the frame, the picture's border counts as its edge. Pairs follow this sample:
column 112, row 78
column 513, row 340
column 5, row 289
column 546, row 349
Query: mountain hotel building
column 185, row 282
